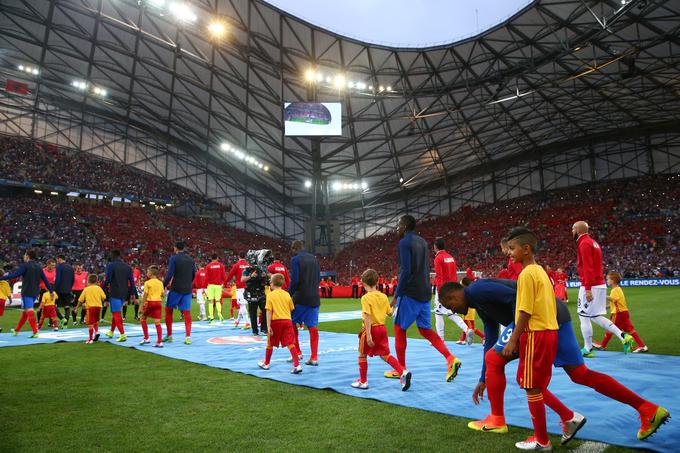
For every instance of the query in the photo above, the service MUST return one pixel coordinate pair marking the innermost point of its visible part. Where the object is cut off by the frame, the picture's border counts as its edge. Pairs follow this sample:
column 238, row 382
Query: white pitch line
column 590, row 447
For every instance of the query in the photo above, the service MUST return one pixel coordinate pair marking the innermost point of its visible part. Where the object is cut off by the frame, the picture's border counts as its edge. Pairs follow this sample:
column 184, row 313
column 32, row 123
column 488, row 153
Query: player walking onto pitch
column 592, row 295
column 215, row 278
column 152, row 306
column 180, row 276
column 305, row 276
column 92, row 297
column 236, row 272
column 412, row 297
column 375, row 307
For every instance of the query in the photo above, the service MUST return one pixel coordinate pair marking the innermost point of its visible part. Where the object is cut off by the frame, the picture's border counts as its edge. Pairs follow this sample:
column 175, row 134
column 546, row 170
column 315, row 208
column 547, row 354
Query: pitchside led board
column 312, row 118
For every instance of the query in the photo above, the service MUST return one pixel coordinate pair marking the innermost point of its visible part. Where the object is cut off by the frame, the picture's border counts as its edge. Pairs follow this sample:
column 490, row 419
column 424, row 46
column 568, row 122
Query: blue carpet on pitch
column 220, row 346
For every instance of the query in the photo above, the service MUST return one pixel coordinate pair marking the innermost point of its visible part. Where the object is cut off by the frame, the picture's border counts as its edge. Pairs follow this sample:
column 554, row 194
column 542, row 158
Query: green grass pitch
column 72, row 397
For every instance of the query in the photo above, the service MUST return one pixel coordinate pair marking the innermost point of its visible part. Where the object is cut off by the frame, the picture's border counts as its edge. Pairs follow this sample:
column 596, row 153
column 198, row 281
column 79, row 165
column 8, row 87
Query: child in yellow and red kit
column 375, row 307
column 534, row 335
column 48, row 309
column 93, row 297
column 620, row 315
column 234, row 301
column 5, row 294
column 152, row 306
column 279, row 321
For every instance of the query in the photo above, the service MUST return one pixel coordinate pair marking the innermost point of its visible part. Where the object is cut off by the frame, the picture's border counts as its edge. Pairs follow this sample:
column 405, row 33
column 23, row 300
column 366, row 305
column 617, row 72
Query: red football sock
column 168, row 320
column 606, row 338
column 145, row 328
column 120, row 325
column 495, row 381
column 363, row 369
column 297, row 342
column 2, row 306
column 293, row 354
column 314, row 342
column 22, row 320
column 394, row 363
column 557, row 406
column 96, row 327
column 606, row 385
column 159, row 332
column 637, row 338
column 114, row 322
column 436, row 341
column 537, row 409
column 462, row 337
column 479, row 334
column 90, row 330
column 268, row 355
column 41, row 322
column 400, row 344
column 187, row 322
column 31, row 321
column 55, row 323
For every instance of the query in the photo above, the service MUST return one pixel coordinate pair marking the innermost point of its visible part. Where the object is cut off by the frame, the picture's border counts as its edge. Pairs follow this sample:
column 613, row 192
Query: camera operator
column 255, row 278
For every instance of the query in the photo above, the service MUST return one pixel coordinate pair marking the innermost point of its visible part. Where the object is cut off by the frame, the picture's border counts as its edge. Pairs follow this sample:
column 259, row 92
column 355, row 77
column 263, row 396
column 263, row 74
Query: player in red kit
column 592, row 296
column 513, row 269
column 215, row 278
column 445, row 271
column 200, row 284
column 561, row 285
column 355, row 287
column 236, row 272
column 277, row 267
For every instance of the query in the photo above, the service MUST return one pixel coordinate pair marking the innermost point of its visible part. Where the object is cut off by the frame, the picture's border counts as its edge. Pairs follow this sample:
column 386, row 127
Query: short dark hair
column 115, row 254
column 92, row 279
column 439, row 243
column 213, row 256
column 61, row 257
column 369, row 277
column 242, row 255
column 524, row 236
column 179, row 245
column 408, row 221
column 30, row 253
column 465, row 281
column 447, row 288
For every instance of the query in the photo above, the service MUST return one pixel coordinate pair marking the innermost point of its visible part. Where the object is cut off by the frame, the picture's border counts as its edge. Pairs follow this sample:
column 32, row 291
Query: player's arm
column 133, row 287
column 145, row 296
column 231, row 274
column 438, row 271
column 270, row 315
column 294, row 275
column 404, row 268
column 16, row 274
column 170, row 272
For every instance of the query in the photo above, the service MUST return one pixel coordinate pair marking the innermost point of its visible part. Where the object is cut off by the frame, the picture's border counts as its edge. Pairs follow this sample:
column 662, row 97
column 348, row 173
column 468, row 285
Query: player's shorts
column 153, row 309
column 64, row 299
column 537, row 351
column 379, row 337
column 28, row 302
column 568, row 350
column 49, row 311
column 93, row 315
column 503, row 339
column 116, row 305
column 2, row 306
column 282, row 333
column 621, row 319
column 410, row 310
column 597, row 306
column 215, row 292
column 304, row 314
column 76, row 296
column 175, row 300
column 240, row 297
column 234, row 303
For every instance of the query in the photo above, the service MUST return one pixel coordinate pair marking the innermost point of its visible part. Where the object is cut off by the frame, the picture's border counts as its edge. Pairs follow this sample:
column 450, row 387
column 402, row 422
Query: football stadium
column 278, row 225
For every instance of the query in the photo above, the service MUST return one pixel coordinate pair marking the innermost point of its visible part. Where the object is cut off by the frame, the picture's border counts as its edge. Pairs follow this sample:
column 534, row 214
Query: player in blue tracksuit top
column 180, row 277
column 412, row 297
column 494, row 300
column 31, row 274
column 305, row 275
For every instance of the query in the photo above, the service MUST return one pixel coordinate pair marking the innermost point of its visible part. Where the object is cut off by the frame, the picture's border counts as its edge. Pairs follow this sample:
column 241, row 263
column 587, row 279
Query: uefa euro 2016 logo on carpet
column 235, row 340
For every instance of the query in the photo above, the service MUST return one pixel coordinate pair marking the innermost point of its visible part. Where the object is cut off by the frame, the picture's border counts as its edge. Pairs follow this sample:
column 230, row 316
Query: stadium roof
column 557, row 74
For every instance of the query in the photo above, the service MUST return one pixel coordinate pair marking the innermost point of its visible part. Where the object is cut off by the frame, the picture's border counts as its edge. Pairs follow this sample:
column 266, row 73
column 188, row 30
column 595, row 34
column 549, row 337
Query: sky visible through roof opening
column 403, row 23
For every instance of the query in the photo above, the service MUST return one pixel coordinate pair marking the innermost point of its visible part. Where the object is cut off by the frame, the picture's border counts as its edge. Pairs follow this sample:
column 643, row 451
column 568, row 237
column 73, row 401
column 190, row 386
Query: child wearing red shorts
column 152, row 306
column 93, row 297
column 279, row 320
column 5, row 294
column 375, row 307
column 535, row 333
column 620, row 315
column 48, row 310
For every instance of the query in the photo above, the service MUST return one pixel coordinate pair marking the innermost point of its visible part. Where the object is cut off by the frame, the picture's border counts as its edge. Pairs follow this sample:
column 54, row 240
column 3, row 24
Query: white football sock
column 459, row 322
column 439, row 323
column 608, row 325
column 587, row 332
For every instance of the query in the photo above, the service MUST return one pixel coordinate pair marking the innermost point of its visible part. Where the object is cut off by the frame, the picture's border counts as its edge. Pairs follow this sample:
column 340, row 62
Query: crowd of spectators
column 22, row 160
column 635, row 222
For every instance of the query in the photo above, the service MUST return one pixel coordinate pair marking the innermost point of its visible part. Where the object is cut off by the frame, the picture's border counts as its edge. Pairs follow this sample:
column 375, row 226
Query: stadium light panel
column 152, row 203
column 156, row 3
column 54, row 193
column 169, row 205
column 381, row 88
column 389, row 88
column 370, row 87
column 361, row 85
column 310, row 75
column 266, row 168
column 339, row 81
column 308, row 184
column 364, row 185
column 224, row 147
column 217, row 29
column 35, row 71
column 182, row 12
column 328, row 79
column 401, row 180
column 350, row 84
column 337, row 186
column 20, row 67
column 38, row 191
column 319, row 77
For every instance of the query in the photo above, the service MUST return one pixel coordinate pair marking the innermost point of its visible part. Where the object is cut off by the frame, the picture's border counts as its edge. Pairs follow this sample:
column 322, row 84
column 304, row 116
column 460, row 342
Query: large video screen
column 312, row 119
